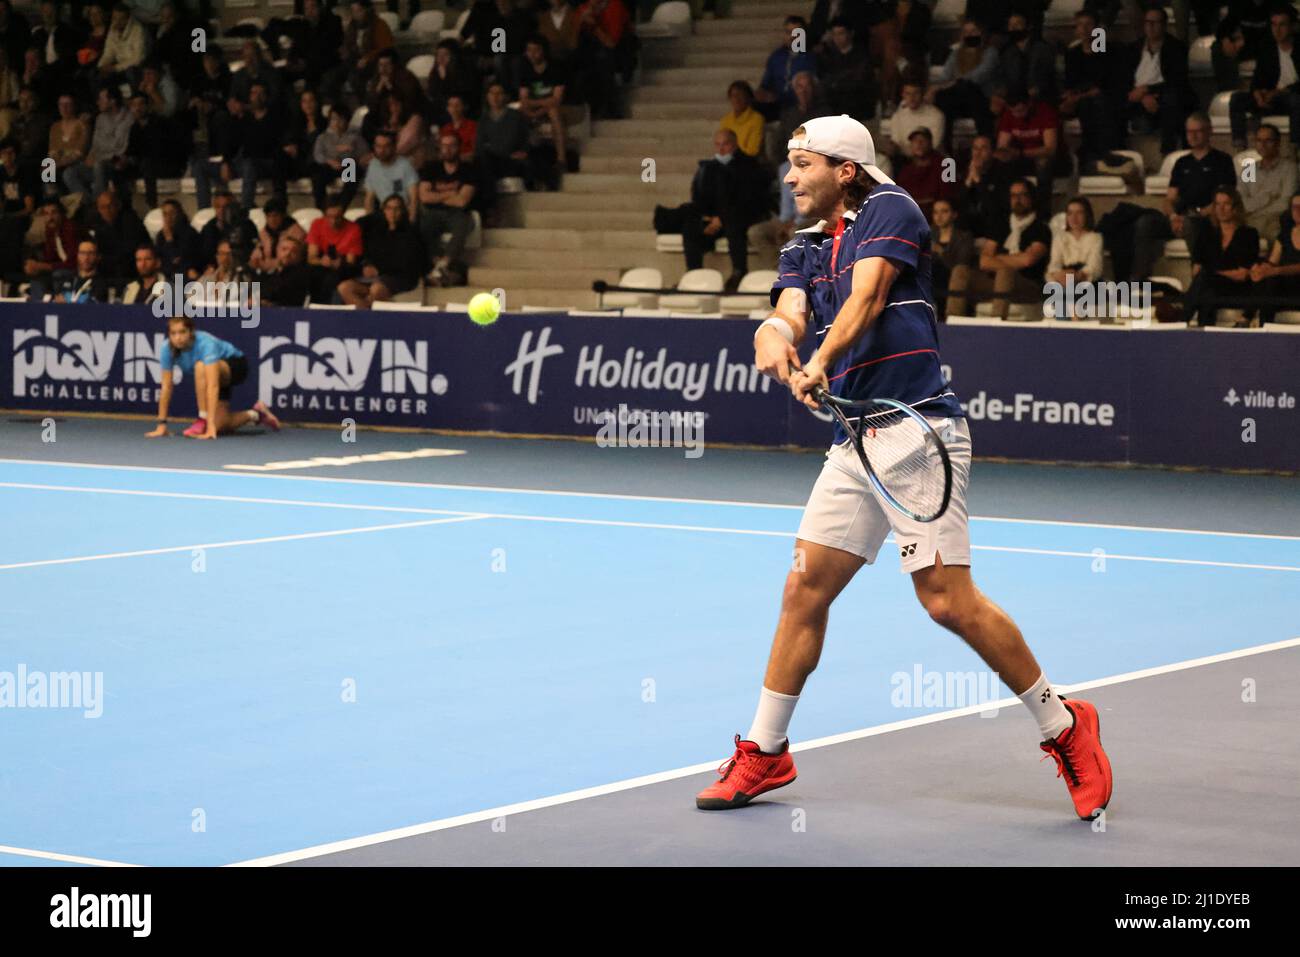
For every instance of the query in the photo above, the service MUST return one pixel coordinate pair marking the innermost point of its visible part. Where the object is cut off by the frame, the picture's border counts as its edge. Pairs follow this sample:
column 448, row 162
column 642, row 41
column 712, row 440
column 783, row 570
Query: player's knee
column 802, row 594
column 944, row 609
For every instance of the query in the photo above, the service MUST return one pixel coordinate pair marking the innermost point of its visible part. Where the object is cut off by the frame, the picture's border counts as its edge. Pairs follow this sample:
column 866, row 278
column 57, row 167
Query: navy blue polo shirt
column 898, row 356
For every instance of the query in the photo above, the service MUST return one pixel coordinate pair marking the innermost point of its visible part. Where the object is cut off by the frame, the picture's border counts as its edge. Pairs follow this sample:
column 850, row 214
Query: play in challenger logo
column 46, row 360
column 332, row 373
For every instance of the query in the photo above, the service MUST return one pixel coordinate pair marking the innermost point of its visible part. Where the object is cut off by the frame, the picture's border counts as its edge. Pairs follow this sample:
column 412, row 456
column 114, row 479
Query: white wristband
column 780, row 325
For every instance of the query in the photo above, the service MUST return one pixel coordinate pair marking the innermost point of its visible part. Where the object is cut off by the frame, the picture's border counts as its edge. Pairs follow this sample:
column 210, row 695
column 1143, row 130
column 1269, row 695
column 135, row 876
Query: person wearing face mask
column 967, row 82
column 728, row 195
column 1090, row 91
column 1026, row 62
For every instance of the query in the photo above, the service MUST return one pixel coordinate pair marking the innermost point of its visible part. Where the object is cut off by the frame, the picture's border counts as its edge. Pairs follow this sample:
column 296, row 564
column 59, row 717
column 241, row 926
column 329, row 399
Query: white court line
column 561, row 520
column 608, row 495
column 66, row 858
column 247, row 541
column 568, row 797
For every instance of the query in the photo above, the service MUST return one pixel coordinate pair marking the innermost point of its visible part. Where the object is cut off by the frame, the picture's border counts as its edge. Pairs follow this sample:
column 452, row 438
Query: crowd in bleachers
column 979, row 133
column 402, row 139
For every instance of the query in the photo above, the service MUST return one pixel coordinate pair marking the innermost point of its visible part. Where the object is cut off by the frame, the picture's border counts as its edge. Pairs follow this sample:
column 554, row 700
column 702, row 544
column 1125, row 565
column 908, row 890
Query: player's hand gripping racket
column 900, row 450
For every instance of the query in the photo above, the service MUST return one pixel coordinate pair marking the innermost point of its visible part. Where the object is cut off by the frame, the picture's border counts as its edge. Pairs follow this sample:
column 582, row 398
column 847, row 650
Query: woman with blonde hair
column 1226, row 250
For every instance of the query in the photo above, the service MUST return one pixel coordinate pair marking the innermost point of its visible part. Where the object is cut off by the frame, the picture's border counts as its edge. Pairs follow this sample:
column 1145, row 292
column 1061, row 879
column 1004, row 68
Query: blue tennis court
column 278, row 662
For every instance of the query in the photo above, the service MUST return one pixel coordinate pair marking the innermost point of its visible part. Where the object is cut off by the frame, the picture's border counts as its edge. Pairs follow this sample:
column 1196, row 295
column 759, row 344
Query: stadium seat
column 393, row 20
column 1219, row 120
column 421, row 66
column 672, row 243
column 306, row 216
column 1106, row 184
column 1199, row 59
column 202, row 218
column 646, row 313
column 358, row 118
column 510, row 185
column 643, row 277
column 1282, row 122
column 1158, row 184
column 1168, row 281
column 697, row 291
column 757, row 285
column 947, row 14
column 454, row 32
column 153, row 221
column 352, row 215
column 427, row 24
column 1228, row 318
column 672, row 19
column 327, row 305
column 1177, row 249
column 257, row 218
column 1288, row 318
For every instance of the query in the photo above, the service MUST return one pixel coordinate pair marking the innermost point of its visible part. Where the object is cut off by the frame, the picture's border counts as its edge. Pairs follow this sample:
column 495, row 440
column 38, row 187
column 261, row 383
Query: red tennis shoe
column 745, row 775
column 1081, row 760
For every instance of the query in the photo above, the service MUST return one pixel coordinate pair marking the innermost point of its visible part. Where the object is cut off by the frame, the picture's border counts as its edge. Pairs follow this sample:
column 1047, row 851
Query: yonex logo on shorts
column 908, row 550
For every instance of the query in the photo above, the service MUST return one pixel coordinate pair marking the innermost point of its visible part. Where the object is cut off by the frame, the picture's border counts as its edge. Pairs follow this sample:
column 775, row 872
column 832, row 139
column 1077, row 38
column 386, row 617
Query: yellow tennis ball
column 484, row 308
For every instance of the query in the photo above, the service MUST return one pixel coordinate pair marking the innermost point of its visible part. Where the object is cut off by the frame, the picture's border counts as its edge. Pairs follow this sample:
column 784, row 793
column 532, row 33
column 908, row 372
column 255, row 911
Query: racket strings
column 905, row 456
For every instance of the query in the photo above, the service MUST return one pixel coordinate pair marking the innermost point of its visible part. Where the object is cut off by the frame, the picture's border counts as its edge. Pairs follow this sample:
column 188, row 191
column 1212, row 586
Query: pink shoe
column 267, row 416
column 200, row 427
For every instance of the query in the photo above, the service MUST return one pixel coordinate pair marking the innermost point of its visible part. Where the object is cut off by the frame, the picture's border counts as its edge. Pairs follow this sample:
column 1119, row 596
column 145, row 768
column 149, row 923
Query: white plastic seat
column 1168, row 281
column 1288, row 318
column 510, row 185
column 1219, row 117
column 672, row 19
column 358, row 118
column 427, row 23
column 393, row 20
column 352, row 215
column 1177, row 249
column 1107, row 184
column 1159, row 183
column 672, row 243
column 697, row 291
column 643, row 277
column 257, row 218
column 202, row 218
column 454, row 32
column 756, row 283
column 153, row 221
column 1200, row 60
column 421, row 66
column 306, row 216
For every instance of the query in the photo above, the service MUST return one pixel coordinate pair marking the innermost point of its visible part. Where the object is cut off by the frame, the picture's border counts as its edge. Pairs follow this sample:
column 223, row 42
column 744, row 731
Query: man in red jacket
column 923, row 176
column 58, row 253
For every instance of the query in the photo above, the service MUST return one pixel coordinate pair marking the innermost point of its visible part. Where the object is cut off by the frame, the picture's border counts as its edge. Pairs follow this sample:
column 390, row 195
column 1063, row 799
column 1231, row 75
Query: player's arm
column 777, row 339
column 872, row 279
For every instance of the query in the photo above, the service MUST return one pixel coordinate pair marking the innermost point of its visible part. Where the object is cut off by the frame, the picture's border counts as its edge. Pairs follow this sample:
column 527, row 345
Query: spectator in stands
column 227, row 267
column 1031, row 144
column 541, row 93
column 173, row 45
column 968, row 81
column 1267, row 183
column 1254, row 17
column 1222, row 259
column 334, row 248
column 487, row 16
column 69, row 137
column 178, row 246
column 160, row 89
column 393, row 262
column 1207, row 17
column 392, row 77
column 981, row 198
column 58, row 42
column 728, row 196
column 846, row 73
column 206, row 116
column 19, row 191
column 501, row 147
column 148, row 147
column 56, row 261
column 925, row 175
column 124, row 47
column 602, row 54
column 278, row 223
column 149, row 282
column 259, row 134
column 1025, row 62
column 92, row 48
column 87, row 285
column 289, row 282
column 451, row 76
column 1225, row 56
column 388, row 173
column 808, row 103
column 1275, row 87
column 1011, row 263
column 783, row 63
column 299, row 144
column 258, row 70
column 1090, row 92
column 560, row 25
column 317, row 50
column 38, row 78
column 1279, row 275
column 950, row 246
column 743, row 120
column 460, row 126
column 410, row 130
column 1188, row 201
column 1076, row 250
column 447, row 188
column 364, row 38
column 107, row 160
column 912, row 113
column 229, row 222
column 30, row 130
column 861, row 18
column 1160, row 93
column 117, row 232
column 335, row 147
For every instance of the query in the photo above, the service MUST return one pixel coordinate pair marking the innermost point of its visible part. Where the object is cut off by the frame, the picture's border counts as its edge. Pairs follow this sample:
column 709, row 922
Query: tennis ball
column 484, row 309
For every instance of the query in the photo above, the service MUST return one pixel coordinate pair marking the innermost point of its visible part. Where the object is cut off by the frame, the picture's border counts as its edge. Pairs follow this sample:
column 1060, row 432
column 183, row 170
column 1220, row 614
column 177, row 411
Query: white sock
column 1046, row 708
column 772, row 720
column 255, row 414
column 203, row 415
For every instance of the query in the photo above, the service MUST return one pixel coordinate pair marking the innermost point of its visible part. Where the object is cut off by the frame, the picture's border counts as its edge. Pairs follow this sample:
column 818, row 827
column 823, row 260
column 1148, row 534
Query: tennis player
column 216, row 367
column 859, row 282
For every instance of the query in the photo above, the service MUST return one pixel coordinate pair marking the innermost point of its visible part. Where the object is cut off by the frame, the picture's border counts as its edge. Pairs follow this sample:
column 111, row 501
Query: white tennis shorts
column 846, row 512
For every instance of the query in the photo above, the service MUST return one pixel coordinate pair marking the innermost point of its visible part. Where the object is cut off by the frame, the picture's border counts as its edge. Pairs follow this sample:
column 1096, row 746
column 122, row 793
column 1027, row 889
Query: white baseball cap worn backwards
column 841, row 137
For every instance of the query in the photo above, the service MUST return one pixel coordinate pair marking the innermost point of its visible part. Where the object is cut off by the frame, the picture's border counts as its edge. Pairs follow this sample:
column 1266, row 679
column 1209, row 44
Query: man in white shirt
column 1160, row 94
column 1267, row 183
column 124, row 45
column 1273, row 88
column 913, row 113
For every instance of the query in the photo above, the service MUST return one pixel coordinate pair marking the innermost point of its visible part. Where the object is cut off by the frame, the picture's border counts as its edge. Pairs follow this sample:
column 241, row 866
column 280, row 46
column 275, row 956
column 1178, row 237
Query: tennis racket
column 904, row 458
